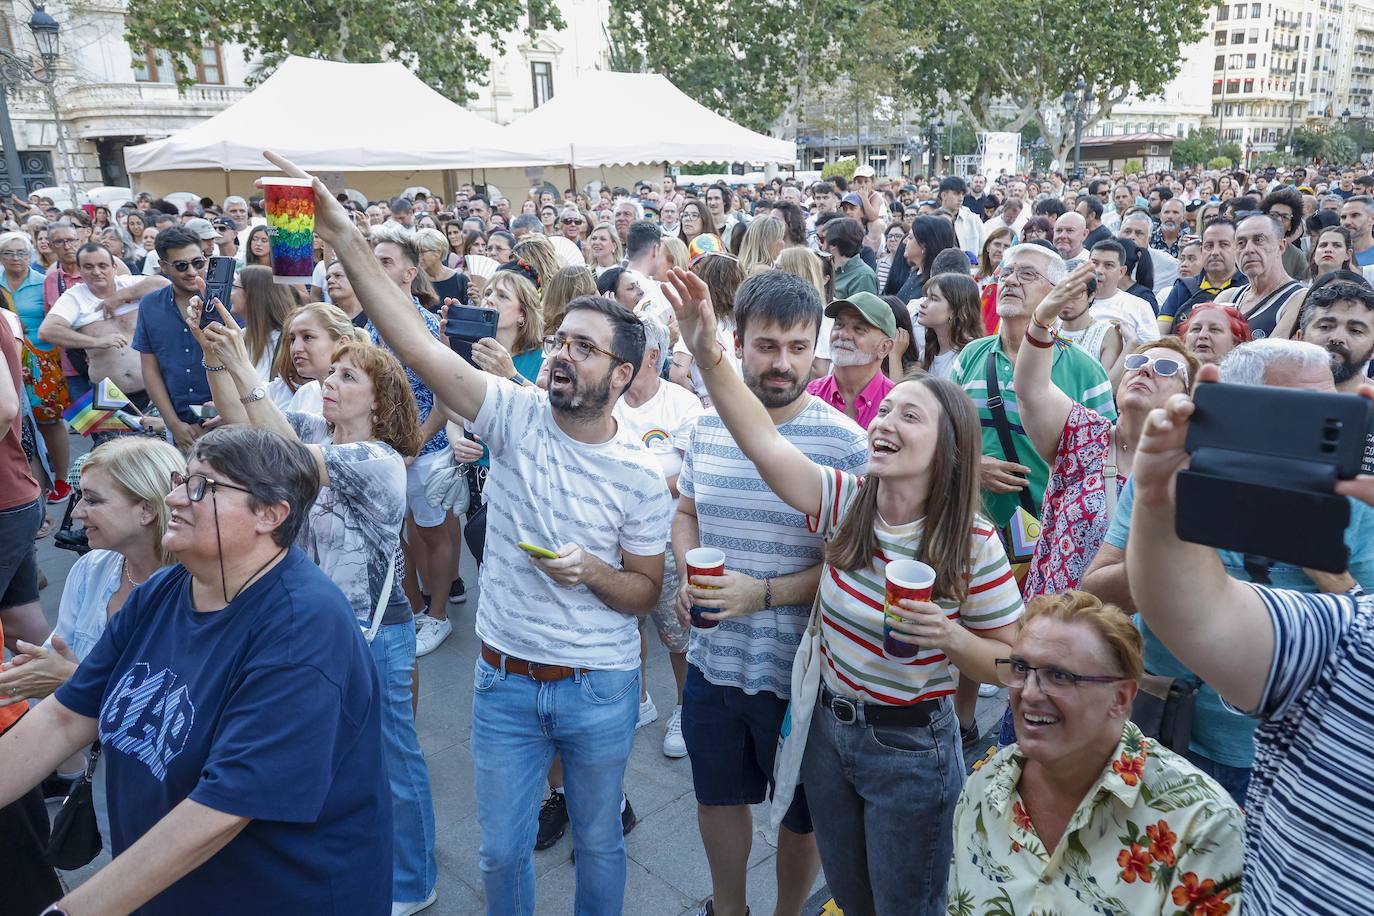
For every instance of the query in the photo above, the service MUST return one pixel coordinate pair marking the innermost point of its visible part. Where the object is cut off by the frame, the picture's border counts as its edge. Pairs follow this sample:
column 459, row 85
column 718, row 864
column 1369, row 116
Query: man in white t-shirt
column 1132, row 313
column 662, row 416
column 98, row 316
column 558, row 671
column 645, row 259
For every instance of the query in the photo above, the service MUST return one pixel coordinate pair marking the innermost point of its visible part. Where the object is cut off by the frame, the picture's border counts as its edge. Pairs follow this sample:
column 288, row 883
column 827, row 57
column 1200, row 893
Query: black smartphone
column 468, row 324
column 1263, row 469
column 219, row 284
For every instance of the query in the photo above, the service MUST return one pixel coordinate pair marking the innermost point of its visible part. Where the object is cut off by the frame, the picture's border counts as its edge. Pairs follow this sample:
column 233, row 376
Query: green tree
column 1202, row 145
column 752, row 61
column 980, row 57
column 445, row 42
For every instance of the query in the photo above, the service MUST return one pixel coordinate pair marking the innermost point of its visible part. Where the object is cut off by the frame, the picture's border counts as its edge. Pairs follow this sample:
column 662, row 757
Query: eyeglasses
column 573, row 222
column 1054, row 682
column 1162, row 366
column 181, row 266
column 197, row 484
column 579, row 350
column 14, row 255
column 1022, row 274
column 61, row 243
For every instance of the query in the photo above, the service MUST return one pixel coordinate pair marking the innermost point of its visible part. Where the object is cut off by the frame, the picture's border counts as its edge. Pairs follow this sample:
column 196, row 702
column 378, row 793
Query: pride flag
column 108, row 396
column 84, row 415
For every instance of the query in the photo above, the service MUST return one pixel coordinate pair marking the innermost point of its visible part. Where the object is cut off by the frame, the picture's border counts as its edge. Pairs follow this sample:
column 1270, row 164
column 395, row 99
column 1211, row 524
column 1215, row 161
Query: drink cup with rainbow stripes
column 290, row 207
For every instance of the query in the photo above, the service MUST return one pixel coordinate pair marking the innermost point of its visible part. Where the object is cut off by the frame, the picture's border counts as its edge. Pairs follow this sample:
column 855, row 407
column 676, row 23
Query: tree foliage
column 749, row 60
column 980, row 56
column 447, row 43
column 1203, row 145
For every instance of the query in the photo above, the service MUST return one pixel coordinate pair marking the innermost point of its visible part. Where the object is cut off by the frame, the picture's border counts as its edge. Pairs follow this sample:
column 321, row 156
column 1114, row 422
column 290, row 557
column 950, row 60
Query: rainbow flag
column 108, row 396
column 117, row 423
column 83, row 415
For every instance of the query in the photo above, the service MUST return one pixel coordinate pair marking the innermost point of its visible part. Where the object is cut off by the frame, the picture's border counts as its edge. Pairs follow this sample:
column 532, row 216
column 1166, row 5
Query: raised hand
column 1067, row 292
column 696, row 319
column 332, row 221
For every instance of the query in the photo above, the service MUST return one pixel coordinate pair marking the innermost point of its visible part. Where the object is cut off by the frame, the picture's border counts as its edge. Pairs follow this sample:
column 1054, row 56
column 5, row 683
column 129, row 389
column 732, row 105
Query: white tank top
column 1090, row 338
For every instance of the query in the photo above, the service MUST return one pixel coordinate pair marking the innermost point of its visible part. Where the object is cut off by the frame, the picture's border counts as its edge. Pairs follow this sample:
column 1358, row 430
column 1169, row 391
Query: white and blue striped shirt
column 1310, row 818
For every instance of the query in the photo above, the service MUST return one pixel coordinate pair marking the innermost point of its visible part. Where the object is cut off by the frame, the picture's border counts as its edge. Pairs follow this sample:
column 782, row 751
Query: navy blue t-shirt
column 267, row 709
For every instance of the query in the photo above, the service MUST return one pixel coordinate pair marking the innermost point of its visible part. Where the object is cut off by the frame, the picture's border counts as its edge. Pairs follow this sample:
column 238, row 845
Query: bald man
column 1070, row 230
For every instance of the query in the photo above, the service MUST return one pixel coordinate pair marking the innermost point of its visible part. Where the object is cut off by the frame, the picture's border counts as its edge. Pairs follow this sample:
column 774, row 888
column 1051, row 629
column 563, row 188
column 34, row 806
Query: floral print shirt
column 1153, row 835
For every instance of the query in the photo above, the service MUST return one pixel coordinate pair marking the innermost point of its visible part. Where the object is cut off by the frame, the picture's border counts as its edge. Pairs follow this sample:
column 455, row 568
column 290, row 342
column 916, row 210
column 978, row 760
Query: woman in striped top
column 882, row 769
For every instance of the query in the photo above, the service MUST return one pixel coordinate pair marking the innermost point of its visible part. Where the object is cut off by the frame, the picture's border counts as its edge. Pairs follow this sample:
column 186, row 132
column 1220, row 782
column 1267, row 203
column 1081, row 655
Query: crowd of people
column 988, row 379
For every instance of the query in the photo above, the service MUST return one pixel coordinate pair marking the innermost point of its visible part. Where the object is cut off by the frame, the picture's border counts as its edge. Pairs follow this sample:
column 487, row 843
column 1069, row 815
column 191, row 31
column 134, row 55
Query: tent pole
column 572, row 179
column 227, row 192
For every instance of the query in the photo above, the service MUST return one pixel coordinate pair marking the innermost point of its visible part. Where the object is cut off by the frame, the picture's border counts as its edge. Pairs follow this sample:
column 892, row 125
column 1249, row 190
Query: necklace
column 129, row 577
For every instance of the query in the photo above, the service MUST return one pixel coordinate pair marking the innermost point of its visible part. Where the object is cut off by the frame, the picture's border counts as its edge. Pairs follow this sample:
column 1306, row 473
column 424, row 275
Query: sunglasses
column 572, row 222
column 181, row 266
column 1162, row 366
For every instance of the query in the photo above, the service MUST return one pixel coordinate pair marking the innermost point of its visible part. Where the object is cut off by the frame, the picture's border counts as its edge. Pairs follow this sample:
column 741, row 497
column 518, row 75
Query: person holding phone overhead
column 555, row 633
column 882, row 767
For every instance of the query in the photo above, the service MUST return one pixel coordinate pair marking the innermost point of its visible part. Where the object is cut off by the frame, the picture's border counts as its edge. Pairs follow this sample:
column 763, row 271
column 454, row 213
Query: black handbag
column 75, row 838
column 1164, row 709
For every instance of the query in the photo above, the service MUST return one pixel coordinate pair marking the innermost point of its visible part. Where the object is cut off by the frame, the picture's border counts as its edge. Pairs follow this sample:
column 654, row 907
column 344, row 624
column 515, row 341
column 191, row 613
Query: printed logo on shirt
column 148, row 716
column 653, row 437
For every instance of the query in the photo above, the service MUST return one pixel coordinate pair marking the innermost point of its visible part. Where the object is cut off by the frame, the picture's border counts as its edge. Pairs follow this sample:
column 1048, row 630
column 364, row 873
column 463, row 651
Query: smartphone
column 219, row 284
column 1263, row 469
column 468, row 324
column 541, row 552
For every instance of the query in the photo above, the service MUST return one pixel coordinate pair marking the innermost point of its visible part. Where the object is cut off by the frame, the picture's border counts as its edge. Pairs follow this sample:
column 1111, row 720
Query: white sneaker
column 673, row 745
column 430, row 633
column 648, row 712
column 408, row 909
column 988, row 690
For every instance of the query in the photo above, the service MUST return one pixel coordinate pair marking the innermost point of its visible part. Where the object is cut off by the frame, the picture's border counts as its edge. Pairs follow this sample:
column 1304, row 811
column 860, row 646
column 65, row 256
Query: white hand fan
column 569, row 255
column 479, row 265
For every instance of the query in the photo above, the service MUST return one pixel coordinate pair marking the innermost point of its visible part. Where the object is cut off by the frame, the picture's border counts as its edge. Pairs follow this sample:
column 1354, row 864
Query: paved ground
column 667, row 868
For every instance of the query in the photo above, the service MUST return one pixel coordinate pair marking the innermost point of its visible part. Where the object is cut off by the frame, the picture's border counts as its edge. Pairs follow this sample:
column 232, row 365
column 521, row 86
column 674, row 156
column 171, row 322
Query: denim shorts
column 18, row 557
column 732, row 738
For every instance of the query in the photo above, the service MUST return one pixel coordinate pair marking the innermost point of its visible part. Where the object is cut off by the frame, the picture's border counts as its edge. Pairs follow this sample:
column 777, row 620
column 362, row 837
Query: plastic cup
column 908, row 580
column 704, row 561
column 290, row 207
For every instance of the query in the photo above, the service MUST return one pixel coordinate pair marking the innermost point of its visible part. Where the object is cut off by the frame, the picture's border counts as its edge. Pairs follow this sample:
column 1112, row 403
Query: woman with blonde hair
column 763, row 241
column 537, row 252
column 447, row 282
column 123, row 486
column 312, row 331
column 602, row 249
column 566, row 285
column 369, row 425
column 676, row 252
column 806, row 264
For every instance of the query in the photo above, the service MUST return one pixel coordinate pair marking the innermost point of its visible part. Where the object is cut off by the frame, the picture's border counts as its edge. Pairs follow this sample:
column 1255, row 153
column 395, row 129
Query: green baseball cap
column 875, row 311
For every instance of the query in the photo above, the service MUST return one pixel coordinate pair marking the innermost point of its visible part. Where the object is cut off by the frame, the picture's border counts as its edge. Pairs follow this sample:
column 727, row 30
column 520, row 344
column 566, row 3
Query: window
column 1220, row 37
column 1255, row 11
column 1221, row 62
column 536, row 23
column 1249, row 85
column 541, row 76
column 1240, row 10
column 1234, row 61
column 1222, row 14
column 1237, row 38
column 1250, row 61
column 1254, row 36
column 155, row 66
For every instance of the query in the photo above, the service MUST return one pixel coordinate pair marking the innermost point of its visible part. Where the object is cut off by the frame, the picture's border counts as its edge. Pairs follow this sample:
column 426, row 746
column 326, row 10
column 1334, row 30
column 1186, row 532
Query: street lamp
column 934, row 132
column 1364, row 122
column 16, row 70
column 1075, row 102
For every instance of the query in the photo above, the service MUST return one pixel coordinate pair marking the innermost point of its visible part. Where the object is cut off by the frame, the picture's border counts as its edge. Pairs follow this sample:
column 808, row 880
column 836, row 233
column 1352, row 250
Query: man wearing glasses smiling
column 558, row 632
column 172, row 362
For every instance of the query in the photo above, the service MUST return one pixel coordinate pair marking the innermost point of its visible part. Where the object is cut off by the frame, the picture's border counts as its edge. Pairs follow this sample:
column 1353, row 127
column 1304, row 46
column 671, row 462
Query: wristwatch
column 257, row 394
column 53, row 910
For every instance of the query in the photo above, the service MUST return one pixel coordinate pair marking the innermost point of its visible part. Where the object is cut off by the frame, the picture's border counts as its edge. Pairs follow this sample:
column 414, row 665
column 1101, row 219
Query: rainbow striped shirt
column 852, row 605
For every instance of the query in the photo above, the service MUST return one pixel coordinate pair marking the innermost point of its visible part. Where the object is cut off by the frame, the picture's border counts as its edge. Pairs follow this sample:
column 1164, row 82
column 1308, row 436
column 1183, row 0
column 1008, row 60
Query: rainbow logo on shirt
column 654, row 436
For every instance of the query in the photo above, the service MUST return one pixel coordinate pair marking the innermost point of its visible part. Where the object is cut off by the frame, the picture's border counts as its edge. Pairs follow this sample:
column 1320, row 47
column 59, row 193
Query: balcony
column 141, row 109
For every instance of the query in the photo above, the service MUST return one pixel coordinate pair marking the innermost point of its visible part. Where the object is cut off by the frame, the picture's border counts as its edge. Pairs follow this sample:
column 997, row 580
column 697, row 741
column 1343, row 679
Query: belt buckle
column 535, row 668
column 845, row 711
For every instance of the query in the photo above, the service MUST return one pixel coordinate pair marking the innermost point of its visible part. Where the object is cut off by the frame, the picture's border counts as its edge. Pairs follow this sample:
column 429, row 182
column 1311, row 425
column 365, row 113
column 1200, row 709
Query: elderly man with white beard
column 864, row 332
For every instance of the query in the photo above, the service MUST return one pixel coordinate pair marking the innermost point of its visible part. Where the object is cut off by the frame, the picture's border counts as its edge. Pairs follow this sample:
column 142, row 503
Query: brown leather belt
column 529, row 669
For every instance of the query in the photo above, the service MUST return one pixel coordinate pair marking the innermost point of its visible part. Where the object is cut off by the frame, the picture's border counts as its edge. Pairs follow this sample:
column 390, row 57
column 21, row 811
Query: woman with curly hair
column 370, row 425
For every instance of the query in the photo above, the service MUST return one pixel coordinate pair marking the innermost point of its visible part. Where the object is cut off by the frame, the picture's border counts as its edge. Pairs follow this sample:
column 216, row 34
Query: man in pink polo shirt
column 864, row 332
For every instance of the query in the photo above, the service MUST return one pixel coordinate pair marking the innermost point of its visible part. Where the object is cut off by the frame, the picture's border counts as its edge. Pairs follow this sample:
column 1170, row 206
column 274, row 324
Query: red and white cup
column 909, row 580
column 704, row 561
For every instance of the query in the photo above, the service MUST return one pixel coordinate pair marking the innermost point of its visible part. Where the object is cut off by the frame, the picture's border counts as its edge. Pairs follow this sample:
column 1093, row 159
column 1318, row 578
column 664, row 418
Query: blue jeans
column 1235, row 780
column 882, row 799
column 518, row 724
column 414, row 869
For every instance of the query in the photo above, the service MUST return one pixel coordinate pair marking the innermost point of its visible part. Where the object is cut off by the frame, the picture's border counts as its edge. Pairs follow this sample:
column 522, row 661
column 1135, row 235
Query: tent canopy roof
column 571, row 128
column 332, row 116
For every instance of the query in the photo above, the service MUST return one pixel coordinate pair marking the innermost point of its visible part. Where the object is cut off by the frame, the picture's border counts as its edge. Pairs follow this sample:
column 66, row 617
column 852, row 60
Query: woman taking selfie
column 882, row 767
column 368, row 426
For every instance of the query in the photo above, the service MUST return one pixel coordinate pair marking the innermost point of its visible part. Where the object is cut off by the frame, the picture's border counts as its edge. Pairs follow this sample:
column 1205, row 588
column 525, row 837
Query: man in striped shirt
column 1302, row 663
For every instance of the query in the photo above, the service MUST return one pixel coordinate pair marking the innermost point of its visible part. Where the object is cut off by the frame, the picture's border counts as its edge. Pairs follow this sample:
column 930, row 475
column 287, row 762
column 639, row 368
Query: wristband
column 209, row 368
column 1037, row 343
column 718, row 358
column 768, row 594
column 1044, row 327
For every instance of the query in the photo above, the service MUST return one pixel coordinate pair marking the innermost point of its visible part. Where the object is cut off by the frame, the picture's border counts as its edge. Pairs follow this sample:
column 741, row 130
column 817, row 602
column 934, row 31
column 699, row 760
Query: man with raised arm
column 559, row 665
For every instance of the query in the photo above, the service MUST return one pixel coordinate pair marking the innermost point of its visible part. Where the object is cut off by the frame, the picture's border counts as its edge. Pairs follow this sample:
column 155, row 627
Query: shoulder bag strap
column 998, row 408
column 380, row 610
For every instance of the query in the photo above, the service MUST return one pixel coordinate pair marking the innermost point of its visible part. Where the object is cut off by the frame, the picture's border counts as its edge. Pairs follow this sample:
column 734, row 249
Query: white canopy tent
column 592, row 123
column 330, row 117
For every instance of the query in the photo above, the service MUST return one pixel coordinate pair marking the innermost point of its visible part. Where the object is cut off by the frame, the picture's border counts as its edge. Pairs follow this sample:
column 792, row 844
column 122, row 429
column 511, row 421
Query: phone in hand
column 219, row 284
column 468, row 324
column 542, row 552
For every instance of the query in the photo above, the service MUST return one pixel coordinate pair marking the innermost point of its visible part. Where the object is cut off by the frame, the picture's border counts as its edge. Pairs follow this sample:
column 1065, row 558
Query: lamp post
column 15, row 70
column 934, row 135
column 1074, row 103
column 1364, row 122
column 1345, row 122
